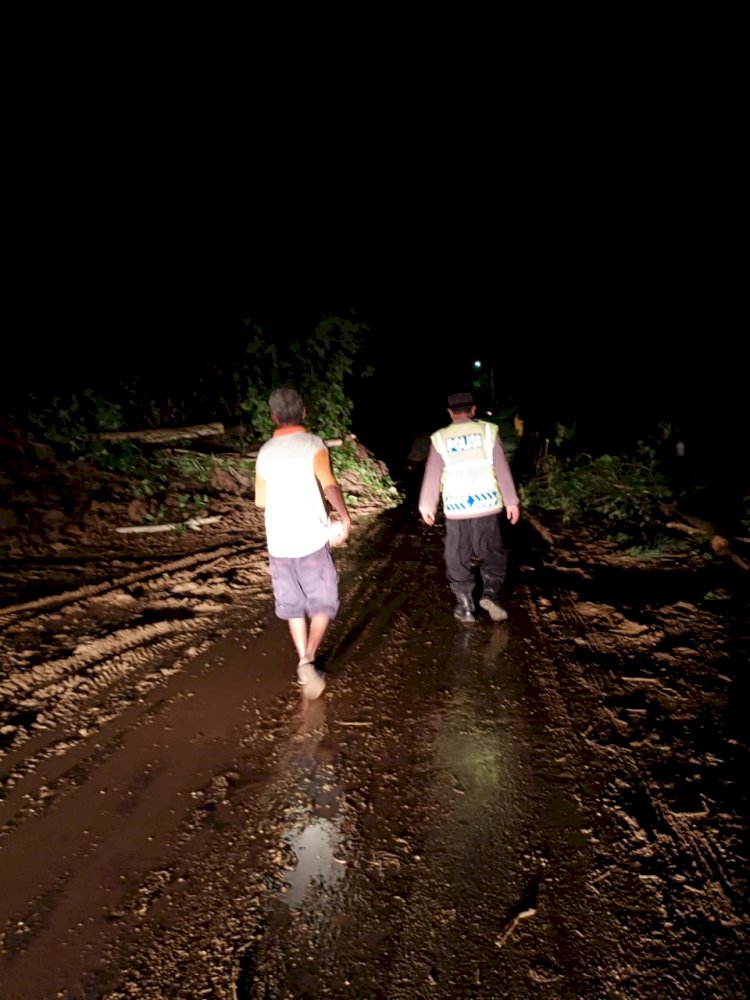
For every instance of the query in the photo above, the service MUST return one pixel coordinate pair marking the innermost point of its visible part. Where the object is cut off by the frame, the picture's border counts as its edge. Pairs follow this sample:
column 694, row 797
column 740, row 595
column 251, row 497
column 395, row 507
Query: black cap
column 460, row 399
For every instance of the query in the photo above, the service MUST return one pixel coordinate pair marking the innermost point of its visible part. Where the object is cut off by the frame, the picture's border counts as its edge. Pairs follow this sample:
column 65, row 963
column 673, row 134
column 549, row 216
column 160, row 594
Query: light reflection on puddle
column 314, row 847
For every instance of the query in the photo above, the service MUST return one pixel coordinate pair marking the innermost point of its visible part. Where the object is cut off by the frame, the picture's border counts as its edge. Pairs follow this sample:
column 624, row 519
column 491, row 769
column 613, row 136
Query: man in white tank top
column 293, row 475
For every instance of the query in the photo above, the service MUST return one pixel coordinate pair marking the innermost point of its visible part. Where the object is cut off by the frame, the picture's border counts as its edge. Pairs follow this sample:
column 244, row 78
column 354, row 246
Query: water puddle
column 314, row 846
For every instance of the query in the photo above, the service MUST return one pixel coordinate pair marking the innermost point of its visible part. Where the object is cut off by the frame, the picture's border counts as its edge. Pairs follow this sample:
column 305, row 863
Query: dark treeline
column 610, row 390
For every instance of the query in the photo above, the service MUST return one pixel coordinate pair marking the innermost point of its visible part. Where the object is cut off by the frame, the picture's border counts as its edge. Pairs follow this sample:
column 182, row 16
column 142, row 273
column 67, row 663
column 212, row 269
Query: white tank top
column 295, row 514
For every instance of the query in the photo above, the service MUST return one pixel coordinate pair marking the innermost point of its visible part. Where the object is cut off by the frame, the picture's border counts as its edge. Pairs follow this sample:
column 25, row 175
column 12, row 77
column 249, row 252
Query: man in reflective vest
column 466, row 463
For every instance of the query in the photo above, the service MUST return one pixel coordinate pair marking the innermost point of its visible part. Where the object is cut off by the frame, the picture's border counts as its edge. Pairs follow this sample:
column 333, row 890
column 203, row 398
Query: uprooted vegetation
column 631, row 501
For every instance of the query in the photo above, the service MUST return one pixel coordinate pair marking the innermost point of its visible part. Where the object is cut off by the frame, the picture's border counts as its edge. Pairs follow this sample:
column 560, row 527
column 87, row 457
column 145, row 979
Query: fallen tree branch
column 194, row 523
column 201, row 430
column 159, row 434
column 687, row 529
column 539, row 527
column 511, row 925
column 719, row 544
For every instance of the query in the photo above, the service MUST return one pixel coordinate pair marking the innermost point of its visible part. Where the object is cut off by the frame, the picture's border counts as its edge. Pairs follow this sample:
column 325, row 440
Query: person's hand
column 427, row 516
column 513, row 511
column 338, row 533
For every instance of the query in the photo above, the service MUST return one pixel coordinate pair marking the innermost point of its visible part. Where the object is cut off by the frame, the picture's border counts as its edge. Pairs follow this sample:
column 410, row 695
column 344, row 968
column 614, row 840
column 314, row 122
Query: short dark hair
column 286, row 405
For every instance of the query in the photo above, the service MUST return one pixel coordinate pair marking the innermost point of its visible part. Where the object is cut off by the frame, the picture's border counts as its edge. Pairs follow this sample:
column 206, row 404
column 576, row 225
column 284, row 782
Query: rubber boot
column 464, row 609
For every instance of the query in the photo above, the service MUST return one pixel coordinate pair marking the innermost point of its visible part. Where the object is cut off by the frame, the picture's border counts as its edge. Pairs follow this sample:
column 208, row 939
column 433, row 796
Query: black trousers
column 475, row 538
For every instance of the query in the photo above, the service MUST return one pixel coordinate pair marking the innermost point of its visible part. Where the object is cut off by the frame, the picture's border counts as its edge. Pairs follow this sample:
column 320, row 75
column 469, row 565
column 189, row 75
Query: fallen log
column 194, row 523
column 718, row 543
column 156, row 435
column 159, row 435
column 540, row 528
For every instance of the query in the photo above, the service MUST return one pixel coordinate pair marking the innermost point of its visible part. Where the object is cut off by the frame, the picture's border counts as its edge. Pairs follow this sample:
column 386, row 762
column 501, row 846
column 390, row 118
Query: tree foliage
column 231, row 384
column 618, row 495
column 319, row 366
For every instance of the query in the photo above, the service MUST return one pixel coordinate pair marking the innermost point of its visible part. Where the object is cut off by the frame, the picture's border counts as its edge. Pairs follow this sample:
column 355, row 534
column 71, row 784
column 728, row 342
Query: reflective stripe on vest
column 463, row 503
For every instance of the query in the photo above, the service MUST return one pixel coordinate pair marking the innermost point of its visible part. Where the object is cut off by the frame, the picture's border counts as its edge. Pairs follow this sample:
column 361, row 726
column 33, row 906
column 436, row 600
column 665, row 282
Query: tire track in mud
column 647, row 703
column 73, row 660
column 50, row 703
column 202, row 559
column 384, row 551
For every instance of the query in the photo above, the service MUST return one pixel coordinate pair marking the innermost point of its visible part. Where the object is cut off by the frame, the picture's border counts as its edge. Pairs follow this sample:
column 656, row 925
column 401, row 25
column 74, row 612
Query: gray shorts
column 306, row 586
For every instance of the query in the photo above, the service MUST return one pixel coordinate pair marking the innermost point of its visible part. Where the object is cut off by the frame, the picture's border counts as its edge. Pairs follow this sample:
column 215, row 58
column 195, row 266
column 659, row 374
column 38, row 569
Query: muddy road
column 552, row 807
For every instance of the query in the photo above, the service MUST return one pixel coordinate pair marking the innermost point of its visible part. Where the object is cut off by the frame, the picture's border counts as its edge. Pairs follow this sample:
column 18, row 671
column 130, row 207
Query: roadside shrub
column 125, row 457
column 615, row 495
column 67, row 421
column 318, row 365
column 353, row 465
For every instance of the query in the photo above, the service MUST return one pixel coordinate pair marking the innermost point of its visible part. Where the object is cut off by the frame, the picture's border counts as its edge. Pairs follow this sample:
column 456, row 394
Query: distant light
column 477, row 364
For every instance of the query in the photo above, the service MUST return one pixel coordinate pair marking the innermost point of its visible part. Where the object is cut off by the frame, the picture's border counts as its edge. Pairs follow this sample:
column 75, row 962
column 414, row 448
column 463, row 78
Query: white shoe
column 312, row 683
column 496, row 611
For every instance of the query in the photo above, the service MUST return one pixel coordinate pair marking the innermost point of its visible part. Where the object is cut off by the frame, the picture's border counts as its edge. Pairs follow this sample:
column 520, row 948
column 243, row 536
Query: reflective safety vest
column 468, row 485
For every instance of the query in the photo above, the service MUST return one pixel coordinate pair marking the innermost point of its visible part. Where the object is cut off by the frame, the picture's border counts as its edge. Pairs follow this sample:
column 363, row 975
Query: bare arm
column 260, row 490
column 335, row 497
column 332, row 492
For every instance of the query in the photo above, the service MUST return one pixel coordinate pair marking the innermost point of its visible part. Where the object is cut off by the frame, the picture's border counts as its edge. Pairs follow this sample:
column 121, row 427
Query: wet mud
column 553, row 806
